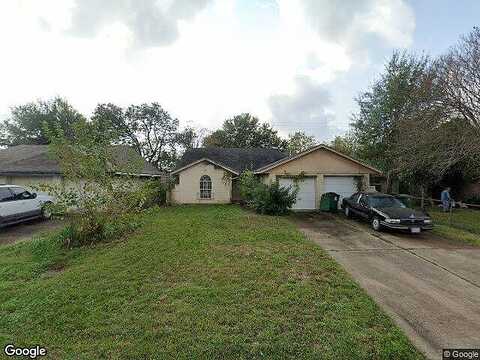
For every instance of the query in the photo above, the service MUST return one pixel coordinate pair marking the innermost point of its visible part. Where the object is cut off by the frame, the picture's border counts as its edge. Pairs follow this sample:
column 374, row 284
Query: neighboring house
column 210, row 175
column 33, row 165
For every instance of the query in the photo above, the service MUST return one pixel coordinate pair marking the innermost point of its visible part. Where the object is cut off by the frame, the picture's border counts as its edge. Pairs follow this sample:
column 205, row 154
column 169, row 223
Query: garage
column 306, row 192
column 342, row 185
column 321, row 169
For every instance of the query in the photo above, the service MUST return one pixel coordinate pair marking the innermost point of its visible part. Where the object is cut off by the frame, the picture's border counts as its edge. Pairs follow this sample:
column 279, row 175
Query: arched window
column 205, row 187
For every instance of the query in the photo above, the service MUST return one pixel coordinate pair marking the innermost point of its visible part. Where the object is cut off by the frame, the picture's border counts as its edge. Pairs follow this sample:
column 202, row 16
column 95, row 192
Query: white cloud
column 151, row 22
column 202, row 60
column 308, row 108
column 348, row 22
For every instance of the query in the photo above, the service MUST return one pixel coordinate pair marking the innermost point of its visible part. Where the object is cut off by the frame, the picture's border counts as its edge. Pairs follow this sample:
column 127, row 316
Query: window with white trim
column 205, row 187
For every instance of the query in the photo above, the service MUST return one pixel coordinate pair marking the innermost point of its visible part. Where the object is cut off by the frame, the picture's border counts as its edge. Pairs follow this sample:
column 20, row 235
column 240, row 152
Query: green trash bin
column 329, row 202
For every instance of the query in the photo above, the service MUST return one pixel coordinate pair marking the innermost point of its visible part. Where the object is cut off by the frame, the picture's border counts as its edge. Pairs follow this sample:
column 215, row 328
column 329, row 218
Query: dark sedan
column 385, row 211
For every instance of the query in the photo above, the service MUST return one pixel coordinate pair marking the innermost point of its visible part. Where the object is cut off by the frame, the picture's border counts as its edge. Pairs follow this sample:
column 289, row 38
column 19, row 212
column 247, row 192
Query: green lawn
column 193, row 282
column 461, row 224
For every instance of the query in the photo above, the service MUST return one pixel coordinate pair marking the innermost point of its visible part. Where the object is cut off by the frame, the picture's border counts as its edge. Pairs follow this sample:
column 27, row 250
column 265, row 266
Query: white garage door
column 344, row 186
column 306, row 192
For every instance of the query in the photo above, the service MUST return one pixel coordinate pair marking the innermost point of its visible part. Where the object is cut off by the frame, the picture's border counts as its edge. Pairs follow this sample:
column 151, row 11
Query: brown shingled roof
column 36, row 160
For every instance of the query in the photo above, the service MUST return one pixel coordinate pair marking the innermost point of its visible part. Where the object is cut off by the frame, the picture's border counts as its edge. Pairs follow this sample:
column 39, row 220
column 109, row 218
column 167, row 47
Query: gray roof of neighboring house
column 36, row 160
column 238, row 159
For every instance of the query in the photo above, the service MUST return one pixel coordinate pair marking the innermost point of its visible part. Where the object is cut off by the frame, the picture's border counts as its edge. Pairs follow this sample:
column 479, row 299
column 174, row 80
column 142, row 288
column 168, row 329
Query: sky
column 296, row 64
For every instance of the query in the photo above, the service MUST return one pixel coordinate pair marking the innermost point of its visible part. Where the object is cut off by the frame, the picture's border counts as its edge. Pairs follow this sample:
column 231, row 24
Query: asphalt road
column 27, row 230
column 428, row 285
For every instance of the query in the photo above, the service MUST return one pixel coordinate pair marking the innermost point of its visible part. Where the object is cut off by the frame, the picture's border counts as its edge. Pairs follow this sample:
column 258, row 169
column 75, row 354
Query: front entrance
column 306, row 192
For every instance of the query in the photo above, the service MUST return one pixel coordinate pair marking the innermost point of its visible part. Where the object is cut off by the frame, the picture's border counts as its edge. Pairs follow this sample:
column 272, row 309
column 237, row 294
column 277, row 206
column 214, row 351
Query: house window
column 205, row 187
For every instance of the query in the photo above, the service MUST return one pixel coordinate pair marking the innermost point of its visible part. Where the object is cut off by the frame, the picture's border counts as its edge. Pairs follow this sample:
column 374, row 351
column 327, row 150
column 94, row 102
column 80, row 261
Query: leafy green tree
column 344, row 144
column 245, row 131
column 101, row 199
column 190, row 138
column 420, row 121
column 110, row 122
column 148, row 128
column 298, row 142
column 29, row 123
column 441, row 135
column 392, row 97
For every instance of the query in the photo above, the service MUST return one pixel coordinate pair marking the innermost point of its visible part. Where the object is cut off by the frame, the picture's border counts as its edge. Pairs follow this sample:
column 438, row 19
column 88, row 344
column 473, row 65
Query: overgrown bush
column 82, row 230
column 155, row 192
column 98, row 199
column 266, row 199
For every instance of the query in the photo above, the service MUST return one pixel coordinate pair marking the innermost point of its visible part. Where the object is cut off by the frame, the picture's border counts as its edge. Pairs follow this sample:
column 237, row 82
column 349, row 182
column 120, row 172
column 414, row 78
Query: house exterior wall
column 188, row 188
column 318, row 164
column 29, row 181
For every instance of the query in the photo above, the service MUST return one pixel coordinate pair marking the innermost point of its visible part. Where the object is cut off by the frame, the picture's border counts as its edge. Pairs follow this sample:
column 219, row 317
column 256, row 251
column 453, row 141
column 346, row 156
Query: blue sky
column 296, row 64
column 440, row 23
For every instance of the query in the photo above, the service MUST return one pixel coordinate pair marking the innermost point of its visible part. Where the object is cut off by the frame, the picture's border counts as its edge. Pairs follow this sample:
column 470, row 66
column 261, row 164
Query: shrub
column 82, row 230
column 274, row 199
column 100, row 201
column 267, row 199
column 155, row 192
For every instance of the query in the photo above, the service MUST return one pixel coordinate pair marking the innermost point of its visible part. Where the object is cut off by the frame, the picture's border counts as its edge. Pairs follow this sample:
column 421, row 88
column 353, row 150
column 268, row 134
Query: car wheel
column 376, row 224
column 46, row 211
column 347, row 212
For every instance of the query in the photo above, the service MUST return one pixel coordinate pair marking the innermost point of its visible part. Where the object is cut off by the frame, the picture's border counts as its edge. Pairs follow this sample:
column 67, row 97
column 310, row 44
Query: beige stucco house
column 210, row 175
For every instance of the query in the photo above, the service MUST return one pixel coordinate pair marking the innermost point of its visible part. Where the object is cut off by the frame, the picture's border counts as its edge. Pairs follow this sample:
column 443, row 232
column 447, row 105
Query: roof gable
column 203, row 160
column 268, row 167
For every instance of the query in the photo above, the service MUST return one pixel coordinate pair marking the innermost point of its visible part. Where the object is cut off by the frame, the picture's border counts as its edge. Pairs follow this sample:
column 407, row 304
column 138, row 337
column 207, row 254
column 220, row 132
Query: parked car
column 18, row 204
column 385, row 211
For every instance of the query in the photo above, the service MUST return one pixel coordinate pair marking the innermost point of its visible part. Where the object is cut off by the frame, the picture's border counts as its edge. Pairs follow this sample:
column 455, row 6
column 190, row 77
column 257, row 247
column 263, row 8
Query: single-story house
column 210, row 175
column 27, row 165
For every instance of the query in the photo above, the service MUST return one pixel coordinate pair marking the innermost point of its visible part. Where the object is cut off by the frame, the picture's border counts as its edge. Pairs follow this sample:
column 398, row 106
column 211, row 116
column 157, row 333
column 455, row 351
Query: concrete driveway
column 27, row 230
column 428, row 285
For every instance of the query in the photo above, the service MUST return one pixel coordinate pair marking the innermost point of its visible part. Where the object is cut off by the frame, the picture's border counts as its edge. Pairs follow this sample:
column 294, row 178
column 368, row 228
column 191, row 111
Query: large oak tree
column 245, row 131
column 31, row 122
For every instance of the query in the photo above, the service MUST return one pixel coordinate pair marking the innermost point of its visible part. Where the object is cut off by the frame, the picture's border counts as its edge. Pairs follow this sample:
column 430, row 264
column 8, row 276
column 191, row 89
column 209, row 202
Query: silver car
column 18, row 204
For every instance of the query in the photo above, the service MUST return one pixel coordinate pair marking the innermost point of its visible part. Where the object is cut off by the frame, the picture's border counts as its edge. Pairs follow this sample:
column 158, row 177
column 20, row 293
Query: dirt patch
column 324, row 222
column 54, row 270
column 28, row 230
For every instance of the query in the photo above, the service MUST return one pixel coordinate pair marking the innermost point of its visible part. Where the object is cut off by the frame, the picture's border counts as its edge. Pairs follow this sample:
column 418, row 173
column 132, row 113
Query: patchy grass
column 457, row 234
column 194, row 282
column 461, row 225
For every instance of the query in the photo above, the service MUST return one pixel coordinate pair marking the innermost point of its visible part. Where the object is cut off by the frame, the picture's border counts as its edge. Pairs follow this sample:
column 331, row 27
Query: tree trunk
column 422, row 190
column 389, row 182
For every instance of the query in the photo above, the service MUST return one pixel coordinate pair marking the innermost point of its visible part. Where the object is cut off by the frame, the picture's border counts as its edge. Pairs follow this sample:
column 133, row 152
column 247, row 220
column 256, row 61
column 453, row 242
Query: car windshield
column 385, row 202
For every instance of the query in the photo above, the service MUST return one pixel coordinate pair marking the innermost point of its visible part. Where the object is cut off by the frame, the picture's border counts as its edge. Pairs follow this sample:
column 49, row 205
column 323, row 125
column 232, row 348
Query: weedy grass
column 461, row 224
column 193, row 282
